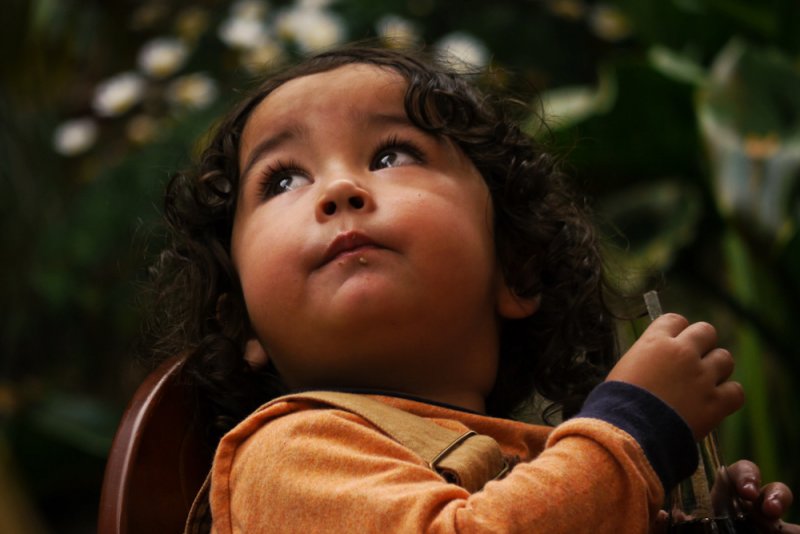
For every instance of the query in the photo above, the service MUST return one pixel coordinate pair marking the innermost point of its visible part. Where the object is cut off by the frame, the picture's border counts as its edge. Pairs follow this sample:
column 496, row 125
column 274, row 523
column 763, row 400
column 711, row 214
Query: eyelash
column 273, row 174
column 396, row 143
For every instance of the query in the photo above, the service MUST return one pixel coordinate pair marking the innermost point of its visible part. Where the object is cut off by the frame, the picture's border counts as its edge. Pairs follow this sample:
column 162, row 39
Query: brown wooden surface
column 158, row 459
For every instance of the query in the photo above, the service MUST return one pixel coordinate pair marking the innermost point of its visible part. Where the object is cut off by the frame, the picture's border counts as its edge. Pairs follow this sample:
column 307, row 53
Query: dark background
column 680, row 118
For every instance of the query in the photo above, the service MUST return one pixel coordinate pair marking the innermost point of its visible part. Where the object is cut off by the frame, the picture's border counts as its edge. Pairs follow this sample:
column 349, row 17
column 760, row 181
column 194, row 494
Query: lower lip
column 353, row 252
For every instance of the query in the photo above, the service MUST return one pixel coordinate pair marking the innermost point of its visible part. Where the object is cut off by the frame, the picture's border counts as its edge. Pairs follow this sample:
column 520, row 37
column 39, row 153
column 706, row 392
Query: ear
column 254, row 353
column 512, row 306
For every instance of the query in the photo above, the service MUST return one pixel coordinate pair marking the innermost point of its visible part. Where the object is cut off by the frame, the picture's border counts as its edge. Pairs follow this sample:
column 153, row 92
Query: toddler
column 369, row 221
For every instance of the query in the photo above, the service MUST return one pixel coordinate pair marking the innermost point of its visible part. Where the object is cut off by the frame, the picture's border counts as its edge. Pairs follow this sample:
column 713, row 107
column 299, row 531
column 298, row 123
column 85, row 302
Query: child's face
column 365, row 245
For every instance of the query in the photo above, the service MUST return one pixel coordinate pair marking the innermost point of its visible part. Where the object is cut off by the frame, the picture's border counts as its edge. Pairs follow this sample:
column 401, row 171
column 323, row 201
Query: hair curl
column 545, row 242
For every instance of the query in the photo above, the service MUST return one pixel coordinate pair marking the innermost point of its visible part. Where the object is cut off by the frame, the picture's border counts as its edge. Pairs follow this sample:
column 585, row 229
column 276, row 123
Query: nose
column 341, row 196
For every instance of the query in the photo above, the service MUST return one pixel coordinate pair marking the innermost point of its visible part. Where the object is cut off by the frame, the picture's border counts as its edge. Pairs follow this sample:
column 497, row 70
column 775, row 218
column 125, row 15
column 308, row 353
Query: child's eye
column 281, row 178
column 394, row 153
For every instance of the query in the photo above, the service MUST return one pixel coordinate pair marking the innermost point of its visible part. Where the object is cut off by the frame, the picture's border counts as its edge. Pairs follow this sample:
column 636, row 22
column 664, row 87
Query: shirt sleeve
column 664, row 436
column 325, row 470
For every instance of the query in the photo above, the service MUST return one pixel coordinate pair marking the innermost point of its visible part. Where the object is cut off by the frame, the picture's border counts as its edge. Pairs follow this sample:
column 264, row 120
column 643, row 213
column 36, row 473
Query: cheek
column 459, row 239
column 261, row 259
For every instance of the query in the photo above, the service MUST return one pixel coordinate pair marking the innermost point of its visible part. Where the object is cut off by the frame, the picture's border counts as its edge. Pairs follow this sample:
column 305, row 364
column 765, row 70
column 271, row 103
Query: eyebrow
column 295, row 131
column 267, row 145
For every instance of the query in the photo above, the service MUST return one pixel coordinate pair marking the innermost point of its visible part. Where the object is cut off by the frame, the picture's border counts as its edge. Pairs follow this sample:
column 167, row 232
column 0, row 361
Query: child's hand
column 764, row 504
column 681, row 364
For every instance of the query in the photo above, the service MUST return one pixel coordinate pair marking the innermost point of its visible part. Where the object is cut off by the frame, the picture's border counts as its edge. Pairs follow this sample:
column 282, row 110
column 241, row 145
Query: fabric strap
column 467, row 459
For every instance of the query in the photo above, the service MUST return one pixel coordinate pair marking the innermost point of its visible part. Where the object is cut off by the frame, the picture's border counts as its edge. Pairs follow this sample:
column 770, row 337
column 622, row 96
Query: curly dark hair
column 545, row 242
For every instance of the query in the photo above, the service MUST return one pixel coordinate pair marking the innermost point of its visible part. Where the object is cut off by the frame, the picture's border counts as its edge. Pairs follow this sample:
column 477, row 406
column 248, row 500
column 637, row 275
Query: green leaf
column 676, row 66
column 749, row 115
column 566, row 106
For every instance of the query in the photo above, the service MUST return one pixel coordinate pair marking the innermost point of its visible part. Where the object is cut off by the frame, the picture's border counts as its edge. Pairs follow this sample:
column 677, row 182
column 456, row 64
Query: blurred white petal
column 463, row 51
column 314, row 4
column 75, row 136
column 163, row 57
column 396, row 30
column 249, row 9
column 196, row 90
column 309, row 27
column 260, row 59
column 118, row 94
column 242, row 32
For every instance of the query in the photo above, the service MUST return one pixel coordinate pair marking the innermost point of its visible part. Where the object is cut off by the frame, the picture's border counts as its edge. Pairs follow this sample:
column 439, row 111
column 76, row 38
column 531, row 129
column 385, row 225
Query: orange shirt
column 294, row 467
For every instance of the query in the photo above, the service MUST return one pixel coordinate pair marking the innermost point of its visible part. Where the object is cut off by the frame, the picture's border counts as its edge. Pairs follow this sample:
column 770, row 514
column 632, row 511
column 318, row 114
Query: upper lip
column 346, row 242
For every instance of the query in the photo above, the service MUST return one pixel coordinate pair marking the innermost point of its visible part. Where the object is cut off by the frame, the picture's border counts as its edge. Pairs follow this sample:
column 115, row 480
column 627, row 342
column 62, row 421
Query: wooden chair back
column 158, row 459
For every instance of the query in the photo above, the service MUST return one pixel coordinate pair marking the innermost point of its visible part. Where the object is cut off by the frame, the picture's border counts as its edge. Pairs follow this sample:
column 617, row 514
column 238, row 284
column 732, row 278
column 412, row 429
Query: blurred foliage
column 681, row 119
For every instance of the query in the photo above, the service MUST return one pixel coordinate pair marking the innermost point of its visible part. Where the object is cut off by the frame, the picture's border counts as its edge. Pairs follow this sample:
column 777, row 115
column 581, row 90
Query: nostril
column 356, row 202
column 329, row 208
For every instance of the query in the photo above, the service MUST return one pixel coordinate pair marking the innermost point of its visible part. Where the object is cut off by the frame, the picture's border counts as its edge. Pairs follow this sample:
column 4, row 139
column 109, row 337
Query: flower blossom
column 463, row 51
column 118, row 94
column 243, row 33
column 163, row 57
column 260, row 59
column 245, row 28
column 396, row 30
column 75, row 136
column 310, row 27
column 196, row 91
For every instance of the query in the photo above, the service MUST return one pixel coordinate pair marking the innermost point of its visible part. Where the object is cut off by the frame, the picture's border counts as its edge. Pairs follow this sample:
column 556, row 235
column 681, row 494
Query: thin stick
column 653, row 305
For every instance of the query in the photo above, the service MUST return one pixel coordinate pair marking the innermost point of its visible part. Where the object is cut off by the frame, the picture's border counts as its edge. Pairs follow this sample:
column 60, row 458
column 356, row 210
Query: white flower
column 75, row 136
column 118, row 94
column 394, row 29
column 163, row 57
column 609, row 23
column 248, row 9
column 258, row 60
column 463, row 51
column 243, row 32
column 196, row 90
column 314, row 4
column 309, row 27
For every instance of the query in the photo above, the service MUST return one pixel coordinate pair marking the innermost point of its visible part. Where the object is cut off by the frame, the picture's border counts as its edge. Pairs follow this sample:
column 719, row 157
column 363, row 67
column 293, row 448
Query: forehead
column 343, row 91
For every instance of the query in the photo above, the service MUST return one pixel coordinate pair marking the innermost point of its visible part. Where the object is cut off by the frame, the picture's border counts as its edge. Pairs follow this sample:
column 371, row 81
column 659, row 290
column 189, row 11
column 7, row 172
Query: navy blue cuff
column 664, row 436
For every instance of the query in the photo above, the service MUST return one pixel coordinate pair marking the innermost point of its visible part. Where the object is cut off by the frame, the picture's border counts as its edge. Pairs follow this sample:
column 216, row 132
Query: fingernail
column 750, row 487
column 772, row 506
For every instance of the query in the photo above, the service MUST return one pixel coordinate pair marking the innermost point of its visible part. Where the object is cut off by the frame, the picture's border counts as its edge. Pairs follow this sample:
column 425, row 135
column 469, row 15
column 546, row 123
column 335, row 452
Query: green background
column 679, row 118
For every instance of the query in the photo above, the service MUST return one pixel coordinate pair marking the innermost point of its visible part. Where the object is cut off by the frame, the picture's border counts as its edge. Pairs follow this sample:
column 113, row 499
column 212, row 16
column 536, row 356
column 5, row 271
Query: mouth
column 345, row 244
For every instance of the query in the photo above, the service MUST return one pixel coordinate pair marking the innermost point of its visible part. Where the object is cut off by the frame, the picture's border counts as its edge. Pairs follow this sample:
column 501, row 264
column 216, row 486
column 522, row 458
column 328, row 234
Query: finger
column 670, row 323
column 777, row 498
column 731, row 396
column 747, row 477
column 661, row 523
column 702, row 336
column 721, row 362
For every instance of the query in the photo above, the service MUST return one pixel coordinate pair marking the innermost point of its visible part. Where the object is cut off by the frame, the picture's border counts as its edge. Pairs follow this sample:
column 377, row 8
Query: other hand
column 764, row 505
column 682, row 365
